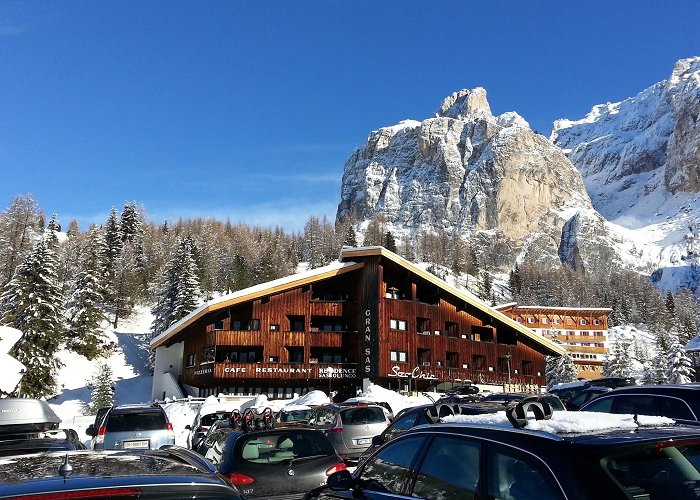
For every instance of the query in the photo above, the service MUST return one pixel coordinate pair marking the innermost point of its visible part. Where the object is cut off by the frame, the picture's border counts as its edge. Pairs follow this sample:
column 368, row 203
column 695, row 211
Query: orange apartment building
column 582, row 330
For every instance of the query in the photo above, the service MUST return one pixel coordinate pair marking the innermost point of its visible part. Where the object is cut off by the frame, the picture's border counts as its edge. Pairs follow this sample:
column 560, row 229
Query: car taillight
column 100, row 438
column 336, row 429
column 93, row 493
column 169, row 426
column 238, row 479
column 337, row 467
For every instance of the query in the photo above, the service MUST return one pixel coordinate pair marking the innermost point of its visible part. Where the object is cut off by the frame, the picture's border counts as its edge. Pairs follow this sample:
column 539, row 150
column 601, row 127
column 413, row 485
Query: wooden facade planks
column 445, row 339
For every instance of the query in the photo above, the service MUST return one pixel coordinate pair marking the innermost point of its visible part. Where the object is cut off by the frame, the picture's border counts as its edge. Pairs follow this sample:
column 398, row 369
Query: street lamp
column 508, row 363
column 330, row 371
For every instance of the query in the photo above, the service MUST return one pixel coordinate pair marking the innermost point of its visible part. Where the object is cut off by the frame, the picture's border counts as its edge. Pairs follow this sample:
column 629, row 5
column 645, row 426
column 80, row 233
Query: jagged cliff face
column 635, row 152
column 640, row 160
column 490, row 179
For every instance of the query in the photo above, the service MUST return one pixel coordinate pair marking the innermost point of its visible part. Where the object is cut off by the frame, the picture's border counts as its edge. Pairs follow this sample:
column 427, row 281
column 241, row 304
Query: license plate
column 364, row 441
column 130, row 445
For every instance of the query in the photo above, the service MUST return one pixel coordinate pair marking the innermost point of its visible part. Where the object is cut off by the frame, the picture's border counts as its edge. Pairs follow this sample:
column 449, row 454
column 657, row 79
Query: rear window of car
column 275, row 447
column 136, row 421
column 659, row 471
column 362, row 415
column 295, row 415
column 208, row 420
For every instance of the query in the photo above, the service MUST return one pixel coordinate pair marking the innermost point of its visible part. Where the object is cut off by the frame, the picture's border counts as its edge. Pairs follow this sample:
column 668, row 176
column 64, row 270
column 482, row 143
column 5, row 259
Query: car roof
column 136, row 408
column 659, row 389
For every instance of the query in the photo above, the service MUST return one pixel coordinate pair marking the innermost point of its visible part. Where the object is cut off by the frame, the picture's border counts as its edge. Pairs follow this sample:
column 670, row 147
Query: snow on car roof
column 568, row 422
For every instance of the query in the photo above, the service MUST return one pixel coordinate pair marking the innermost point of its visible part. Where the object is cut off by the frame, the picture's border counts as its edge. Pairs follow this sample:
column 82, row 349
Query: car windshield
column 208, row 420
column 136, row 421
column 660, row 471
column 362, row 415
column 277, row 447
column 295, row 415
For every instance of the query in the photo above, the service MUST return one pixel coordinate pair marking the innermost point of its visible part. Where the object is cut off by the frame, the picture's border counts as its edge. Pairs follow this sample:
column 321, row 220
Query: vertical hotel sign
column 370, row 323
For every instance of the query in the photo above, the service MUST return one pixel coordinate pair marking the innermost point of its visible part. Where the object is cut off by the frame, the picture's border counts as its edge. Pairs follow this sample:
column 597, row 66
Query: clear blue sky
column 249, row 109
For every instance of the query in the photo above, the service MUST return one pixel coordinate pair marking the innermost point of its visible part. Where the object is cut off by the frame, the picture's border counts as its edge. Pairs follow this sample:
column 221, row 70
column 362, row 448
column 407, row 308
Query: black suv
column 679, row 402
column 455, row 461
column 166, row 474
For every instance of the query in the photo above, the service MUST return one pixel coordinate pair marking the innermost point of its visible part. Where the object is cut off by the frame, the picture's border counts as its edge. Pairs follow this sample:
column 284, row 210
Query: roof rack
column 517, row 415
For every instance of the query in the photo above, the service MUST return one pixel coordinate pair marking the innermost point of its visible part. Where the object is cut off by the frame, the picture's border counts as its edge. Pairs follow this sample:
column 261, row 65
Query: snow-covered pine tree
column 178, row 291
column 350, row 236
column 619, row 363
column 113, row 246
column 559, row 369
column 84, row 310
column 312, row 250
column 390, row 242
column 130, row 223
column 485, row 285
column 102, row 388
column 32, row 303
column 679, row 367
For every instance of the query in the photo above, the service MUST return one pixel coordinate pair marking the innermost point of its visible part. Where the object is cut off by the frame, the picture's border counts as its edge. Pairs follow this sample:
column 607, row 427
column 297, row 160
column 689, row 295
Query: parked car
column 369, row 401
column 174, row 473
column 280, row 463
column 130, row 427
column 585, row 396
column 350, row 428
column 463, row 390
column 31, row 426
column 455, row 461
column 425, row 414
column 208, row 414
column 679, row 402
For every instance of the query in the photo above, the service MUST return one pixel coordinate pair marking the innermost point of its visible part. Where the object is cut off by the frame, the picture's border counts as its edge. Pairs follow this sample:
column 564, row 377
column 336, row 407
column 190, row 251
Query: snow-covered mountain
column 640, row 161
column 620, row 186
column 489, row 179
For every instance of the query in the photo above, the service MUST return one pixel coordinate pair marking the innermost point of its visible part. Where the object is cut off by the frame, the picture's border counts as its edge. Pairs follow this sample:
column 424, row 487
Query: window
column 643, row 404
column 451, row 329
column 449, row 471
column 545, row 321
column 407, row 421
column 219, row 325
column 478, row 362
column 274, row 328
column 399, row 356
column 207, row 355
column 397, row 324
column 584, row 322
column 296, row 354
column 503, row 365
column 596, row 321
column 527, row 367
column 452, row 359
column 388, row 470
column 531, row 320
column 191, row 360
column 512, row 474
column 600, row 404
column 557, row 321
column 296, row 323
column 519, row 320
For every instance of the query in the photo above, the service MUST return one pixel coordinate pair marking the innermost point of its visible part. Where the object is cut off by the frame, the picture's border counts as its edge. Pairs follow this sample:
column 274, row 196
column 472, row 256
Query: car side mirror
column 378, row 440
column 188, row 427
column 341, row 480
column 90, row 431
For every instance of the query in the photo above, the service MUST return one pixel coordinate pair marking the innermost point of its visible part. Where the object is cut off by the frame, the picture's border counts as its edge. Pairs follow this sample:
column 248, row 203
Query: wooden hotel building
column 372, row 316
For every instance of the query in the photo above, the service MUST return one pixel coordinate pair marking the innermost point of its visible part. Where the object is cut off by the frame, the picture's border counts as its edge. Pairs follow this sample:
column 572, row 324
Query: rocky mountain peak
column 466, row 105
column 490, row 180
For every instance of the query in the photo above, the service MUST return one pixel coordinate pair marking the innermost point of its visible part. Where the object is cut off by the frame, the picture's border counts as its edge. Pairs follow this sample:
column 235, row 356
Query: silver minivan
column 134, row 427
column 350, row 428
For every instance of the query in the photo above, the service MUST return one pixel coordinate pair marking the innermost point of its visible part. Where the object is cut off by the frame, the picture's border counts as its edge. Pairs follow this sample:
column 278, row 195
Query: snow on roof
column 333, row 266
column 568, row 422
column 693, row 344
column 587, row 309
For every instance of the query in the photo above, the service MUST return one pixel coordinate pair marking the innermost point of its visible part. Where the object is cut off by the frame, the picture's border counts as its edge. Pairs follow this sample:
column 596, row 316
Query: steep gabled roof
column 494, row 314
column 254, row 292
column 343, row 265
